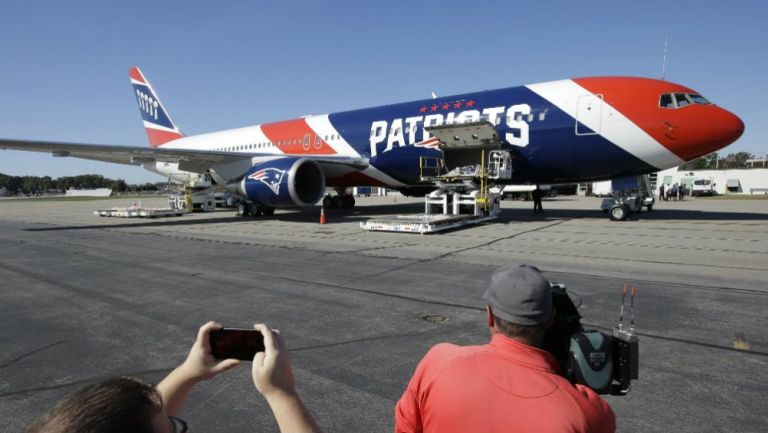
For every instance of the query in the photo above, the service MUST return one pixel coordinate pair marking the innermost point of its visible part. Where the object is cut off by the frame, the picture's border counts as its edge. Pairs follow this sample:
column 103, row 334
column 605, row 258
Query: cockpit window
column 680, row 100
column 698, row 99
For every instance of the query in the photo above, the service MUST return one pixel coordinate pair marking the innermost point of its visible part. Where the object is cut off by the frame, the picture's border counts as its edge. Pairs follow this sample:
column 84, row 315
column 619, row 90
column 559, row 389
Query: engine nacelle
column 284, row 182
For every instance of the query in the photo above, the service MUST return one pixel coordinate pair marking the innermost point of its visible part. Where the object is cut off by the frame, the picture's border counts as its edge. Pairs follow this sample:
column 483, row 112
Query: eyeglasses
column 178, row 424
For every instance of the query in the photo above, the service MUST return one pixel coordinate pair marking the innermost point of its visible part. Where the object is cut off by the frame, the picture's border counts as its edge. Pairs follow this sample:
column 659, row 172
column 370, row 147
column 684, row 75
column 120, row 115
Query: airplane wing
column 198, row 161
column 121, row 154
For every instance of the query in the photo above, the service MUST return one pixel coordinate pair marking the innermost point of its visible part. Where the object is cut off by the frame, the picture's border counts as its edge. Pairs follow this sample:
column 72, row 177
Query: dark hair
column 533, row 333
column 120, row 405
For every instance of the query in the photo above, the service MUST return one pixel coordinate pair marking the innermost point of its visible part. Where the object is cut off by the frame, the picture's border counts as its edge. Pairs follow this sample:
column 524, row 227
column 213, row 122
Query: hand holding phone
column 236, row 343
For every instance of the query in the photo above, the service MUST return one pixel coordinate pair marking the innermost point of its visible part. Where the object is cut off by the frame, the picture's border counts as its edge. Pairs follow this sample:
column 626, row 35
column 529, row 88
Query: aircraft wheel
column 338, row 201
column 242, row 210
column 619, row 212
column 349, row 201
column 268, row 211
column 254, row 209
column 328, row 202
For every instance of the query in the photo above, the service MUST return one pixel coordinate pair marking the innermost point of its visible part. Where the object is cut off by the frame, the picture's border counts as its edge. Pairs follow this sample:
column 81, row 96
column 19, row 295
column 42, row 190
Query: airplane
column 565, row 131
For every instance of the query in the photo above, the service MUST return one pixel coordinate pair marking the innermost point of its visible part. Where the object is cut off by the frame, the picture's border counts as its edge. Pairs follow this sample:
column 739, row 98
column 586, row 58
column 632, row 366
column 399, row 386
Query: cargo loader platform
column 442, row 211
column 139, row 212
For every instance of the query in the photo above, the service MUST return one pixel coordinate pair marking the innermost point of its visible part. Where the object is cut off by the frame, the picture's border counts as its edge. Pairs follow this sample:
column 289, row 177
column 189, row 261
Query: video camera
column 607, row 363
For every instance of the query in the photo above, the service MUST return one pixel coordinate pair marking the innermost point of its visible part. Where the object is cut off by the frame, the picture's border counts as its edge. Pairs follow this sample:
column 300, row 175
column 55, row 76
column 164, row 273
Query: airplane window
column 698, row 99
column 666, row 101
column 682, row 100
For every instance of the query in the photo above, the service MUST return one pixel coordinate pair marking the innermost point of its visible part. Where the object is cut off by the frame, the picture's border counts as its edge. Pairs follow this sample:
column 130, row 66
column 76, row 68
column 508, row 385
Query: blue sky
column 219, row 65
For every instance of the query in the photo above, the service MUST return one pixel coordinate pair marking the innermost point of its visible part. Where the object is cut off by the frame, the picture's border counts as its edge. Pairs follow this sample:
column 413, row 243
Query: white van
column 702, row 187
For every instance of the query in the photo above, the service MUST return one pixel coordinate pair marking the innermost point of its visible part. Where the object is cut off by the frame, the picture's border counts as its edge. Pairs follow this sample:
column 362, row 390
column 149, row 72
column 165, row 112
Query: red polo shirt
column 503, row 386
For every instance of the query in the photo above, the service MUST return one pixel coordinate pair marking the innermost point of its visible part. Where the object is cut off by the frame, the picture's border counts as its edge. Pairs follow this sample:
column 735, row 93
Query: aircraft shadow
column 310, row 215
column 363, row 213
column 655, row 215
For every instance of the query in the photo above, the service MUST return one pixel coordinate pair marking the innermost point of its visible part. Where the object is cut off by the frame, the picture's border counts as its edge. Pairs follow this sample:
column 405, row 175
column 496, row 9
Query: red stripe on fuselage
column 290, row 135
column 688, row 132
column 158, row 137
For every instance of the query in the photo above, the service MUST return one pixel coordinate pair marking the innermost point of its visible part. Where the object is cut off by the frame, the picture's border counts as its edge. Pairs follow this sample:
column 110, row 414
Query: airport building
column 735, row 181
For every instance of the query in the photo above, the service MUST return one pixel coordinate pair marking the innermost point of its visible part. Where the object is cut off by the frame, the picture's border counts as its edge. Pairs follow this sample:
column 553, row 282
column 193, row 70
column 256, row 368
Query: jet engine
column 284, row 182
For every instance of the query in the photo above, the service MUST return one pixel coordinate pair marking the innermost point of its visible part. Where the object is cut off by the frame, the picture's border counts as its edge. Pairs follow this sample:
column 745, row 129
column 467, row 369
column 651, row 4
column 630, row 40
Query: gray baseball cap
column 520, row 294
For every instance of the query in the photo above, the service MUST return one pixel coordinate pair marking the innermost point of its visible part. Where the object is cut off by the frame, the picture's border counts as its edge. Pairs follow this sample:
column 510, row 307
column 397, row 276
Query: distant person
column 661, row 192
column 507, row 385
column 536, row 196
column 126, row 405
column 674, row 191
column 682, row 191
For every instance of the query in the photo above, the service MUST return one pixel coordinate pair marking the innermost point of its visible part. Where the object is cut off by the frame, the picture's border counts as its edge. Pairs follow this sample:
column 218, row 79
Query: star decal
column 433, row 108
column 470, row 103
column 457, row 104
column 423, row 109
column 446, row 106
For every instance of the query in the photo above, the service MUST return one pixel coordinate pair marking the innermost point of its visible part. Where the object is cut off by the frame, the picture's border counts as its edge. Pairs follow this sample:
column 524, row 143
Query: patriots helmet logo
column 271, row 177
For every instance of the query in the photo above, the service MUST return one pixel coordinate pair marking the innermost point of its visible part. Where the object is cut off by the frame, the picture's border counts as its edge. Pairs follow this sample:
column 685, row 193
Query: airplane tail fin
column 160, row 128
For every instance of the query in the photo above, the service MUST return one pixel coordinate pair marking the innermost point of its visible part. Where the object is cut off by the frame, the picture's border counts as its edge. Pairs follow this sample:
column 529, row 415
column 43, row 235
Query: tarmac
column 86, row 298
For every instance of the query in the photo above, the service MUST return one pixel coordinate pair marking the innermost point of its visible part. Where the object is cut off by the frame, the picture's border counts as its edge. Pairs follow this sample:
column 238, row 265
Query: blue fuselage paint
column 552, row 152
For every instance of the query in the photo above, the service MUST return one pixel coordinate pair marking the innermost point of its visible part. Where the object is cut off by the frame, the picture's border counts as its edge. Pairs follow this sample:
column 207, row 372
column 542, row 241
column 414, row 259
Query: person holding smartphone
column 132, row 406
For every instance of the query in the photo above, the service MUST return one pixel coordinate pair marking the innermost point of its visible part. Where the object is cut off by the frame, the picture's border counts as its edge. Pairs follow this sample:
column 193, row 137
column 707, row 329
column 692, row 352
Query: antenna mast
column 664, row 61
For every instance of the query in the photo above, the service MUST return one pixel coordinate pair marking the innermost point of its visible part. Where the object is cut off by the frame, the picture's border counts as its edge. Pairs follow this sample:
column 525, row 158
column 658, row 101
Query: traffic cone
column 322, row 215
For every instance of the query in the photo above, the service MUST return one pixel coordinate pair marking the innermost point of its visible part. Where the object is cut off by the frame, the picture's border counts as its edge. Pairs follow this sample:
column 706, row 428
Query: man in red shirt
column 508, row 385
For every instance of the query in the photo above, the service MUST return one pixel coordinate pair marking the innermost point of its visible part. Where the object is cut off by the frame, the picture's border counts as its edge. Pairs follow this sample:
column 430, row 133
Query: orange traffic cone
column 322, row 215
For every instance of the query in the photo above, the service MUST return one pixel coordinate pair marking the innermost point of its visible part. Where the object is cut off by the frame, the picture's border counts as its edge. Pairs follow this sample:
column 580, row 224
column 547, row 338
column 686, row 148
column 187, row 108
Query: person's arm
column 600, row 417
column 199, row 365
column 407, row 415
column 273, row 378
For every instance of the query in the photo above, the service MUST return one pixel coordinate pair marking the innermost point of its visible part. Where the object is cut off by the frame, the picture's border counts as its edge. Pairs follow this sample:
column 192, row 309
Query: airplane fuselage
column 561, row 131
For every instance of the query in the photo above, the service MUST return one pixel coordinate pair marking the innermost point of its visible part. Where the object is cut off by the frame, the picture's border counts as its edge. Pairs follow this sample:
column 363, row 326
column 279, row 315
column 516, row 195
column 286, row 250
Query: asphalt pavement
column 85, row 298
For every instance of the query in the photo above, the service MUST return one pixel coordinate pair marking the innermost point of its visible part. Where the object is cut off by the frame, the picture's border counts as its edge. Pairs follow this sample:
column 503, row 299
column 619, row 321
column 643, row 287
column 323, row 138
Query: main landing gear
column 342, row 201
column 249, row 208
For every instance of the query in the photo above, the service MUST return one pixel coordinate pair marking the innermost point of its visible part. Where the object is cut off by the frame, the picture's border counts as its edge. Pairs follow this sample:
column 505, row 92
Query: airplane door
column 589, row 113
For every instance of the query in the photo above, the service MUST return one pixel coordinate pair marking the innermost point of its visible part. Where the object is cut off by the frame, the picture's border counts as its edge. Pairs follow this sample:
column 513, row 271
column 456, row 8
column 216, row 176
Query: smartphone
column 236, row 343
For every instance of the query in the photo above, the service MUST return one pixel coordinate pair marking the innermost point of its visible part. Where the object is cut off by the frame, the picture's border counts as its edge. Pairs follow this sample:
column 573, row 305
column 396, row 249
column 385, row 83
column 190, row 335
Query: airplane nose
column 729, row 127
column 702, row 130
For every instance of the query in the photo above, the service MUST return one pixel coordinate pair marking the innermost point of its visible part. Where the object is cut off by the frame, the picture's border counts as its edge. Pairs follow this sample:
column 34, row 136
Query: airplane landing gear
column 252, row 209
column 341, row 201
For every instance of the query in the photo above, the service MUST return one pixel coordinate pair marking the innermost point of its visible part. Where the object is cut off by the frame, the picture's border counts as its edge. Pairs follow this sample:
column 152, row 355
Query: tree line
column 45, row 184
column 714, row 161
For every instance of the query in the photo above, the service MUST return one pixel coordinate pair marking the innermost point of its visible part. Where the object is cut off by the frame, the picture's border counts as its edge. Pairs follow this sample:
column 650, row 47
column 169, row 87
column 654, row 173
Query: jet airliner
column 565, row 131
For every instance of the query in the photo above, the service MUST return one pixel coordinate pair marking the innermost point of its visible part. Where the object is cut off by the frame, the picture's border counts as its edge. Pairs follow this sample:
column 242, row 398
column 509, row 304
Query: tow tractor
column 472, row 157
column 628, row 195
